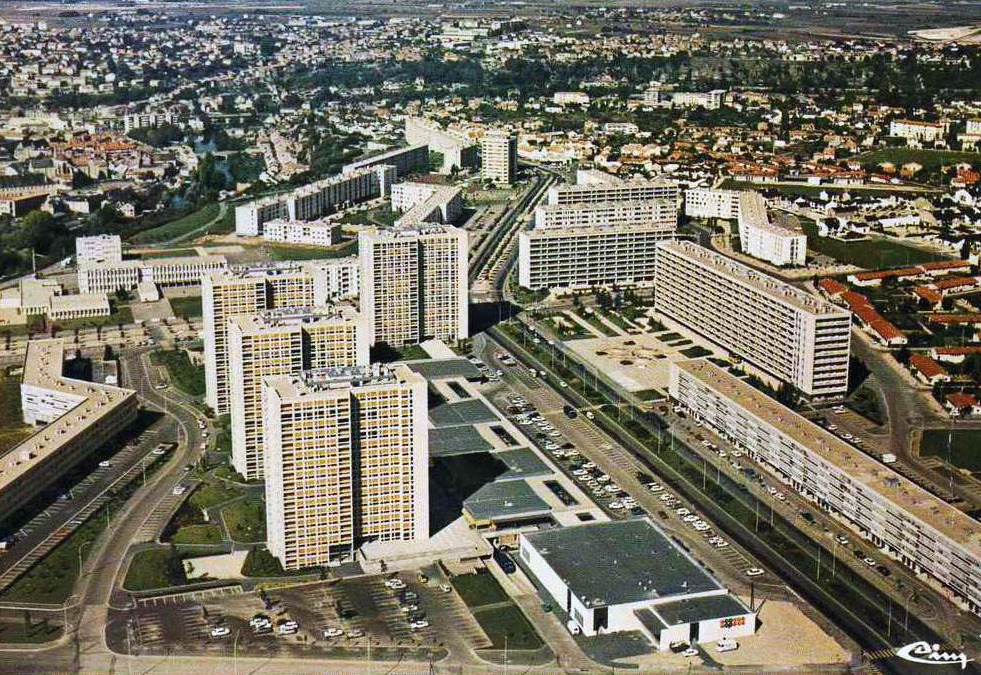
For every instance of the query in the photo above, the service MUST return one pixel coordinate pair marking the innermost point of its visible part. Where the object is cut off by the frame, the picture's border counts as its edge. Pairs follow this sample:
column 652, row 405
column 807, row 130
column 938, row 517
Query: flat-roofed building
column 919, row 529
column 499, row 157
column 457, row 150
column 919, row 131
column 627, row 575
column 414, row 284
column 712, row 203
column 791, row 335
column 227, row 294
column 581, row 257
column 79, row 418
column 662, row 212
column 335, row 278
column 346, row 461
column 78, row 306
column 426, row 203
column 100, row 248
column 309, row 233
column 769, row 237
column 314, row 200
column 108, row 277
column 618, row 191
column 282, row 342
column 402, row 160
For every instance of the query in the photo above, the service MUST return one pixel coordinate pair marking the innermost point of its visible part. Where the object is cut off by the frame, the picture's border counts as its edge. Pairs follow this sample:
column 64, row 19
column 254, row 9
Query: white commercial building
column 614, row 191
column 282, row 342
column 457, row 150
column 108, row 277
column 103, row 248
column 618, row 576
column 710, row 100
column 791, row 335
column 346, row 461
column 78, row 418
column 414, row 284
column 499, row 157
column 426, row 203
column 918, row 528
column 769, row 237
column 311, row 233
column 315, row 200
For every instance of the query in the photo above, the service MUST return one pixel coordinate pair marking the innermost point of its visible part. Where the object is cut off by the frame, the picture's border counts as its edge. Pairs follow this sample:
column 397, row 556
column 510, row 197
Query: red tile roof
column 960, row 400
column 927, row 366
column 832, row 287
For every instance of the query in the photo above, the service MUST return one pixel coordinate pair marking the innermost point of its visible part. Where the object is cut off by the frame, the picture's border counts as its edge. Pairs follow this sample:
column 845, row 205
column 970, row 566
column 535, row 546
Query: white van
column 573, row 627
column 726, row 645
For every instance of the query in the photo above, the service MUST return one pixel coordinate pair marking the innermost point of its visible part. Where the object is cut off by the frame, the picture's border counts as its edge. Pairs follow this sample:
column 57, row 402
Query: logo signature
column 930, row 654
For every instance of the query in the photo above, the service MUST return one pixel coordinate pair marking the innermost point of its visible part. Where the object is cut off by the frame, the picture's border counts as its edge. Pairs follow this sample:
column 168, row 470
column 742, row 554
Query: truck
column 888, row 458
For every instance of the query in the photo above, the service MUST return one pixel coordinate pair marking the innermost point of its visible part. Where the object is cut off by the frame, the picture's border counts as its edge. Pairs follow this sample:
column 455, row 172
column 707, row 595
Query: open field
column 930, row 159
column 12, row 428
column 875, row 253
column 186, row 376
column 960, row 447
column 178, row 227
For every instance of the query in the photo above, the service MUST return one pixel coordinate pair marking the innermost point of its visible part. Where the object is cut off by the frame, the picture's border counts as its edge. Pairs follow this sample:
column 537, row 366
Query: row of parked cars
column 408, row 603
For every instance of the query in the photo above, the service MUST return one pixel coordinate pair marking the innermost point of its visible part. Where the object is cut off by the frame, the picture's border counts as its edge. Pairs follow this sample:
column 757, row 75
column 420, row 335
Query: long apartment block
column 613, row 191
column 457, row 150
column 791, row 335
column 922, row 531
column 421, row 203
column 110, row 276
column 414, row 284
column 79, row 417
column 581, row 257
column 346, row 461
column 282, row 342
column 314, row 200
column 661, row 212
column 401, row 161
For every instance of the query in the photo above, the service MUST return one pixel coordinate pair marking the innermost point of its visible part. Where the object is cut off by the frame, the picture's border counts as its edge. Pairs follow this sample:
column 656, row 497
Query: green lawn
column 153, row 569
column 931, row 160
column 207, row 533
column 186, row 376
column 312, row 252
column 509, row 621
column 170, row 253
column 479, row 588
column 178, row 227
column 189, row 308
column 12, row 427
column 17, row 632
column 804, row 190
column 875, row 253
column 246, row 520
column 964, row 447
column 593, row 319
column 120, row 315
column 212, row 494
column 261, row 563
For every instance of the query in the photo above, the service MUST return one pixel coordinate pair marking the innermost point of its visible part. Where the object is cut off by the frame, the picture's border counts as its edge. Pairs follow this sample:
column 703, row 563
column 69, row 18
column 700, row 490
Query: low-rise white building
column 616, row 576
column 108, row 277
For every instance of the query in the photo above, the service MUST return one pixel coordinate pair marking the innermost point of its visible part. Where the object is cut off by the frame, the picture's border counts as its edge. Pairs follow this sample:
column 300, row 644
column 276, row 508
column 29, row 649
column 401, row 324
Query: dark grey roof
column 471, row 411
column 458, row 440
column 692, row 610
column 505, row 500
column 442, row 369
column 522, row 463
column 618, row 562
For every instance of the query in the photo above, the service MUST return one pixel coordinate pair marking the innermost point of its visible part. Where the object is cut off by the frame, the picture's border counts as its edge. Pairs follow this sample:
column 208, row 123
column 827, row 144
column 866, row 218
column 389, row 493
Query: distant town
column 508, row 337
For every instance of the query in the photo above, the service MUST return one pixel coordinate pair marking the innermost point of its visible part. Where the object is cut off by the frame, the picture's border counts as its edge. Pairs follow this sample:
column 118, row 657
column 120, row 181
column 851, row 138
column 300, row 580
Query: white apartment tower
column 282, row 342
column 414, row 284
column 346, row 461
column 499, row 157
column 789, row 334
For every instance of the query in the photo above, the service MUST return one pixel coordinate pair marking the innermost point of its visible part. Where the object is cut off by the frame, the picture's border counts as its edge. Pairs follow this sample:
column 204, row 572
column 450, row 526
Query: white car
column 656, row 488
column 720, row 543
column 754, row 572
column 590, row 414
column 355, row 633
column 105, row 464
column 589, row 465
column 178, row 490
column 666, row 497
column 683, row 511
column 615, row 505
column 419, row 625
column 690, row 518
column 395, row 584
column 690, row 652
column 220, row 631
column 333, row 632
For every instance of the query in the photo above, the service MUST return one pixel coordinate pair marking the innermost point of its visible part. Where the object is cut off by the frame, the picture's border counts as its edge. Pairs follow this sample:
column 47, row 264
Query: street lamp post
column 80, row 549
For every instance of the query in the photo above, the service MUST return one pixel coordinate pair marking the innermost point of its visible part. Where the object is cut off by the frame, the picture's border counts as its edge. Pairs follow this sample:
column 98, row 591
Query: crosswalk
column 160, row 516
column 190, row 596
column 880, row 654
